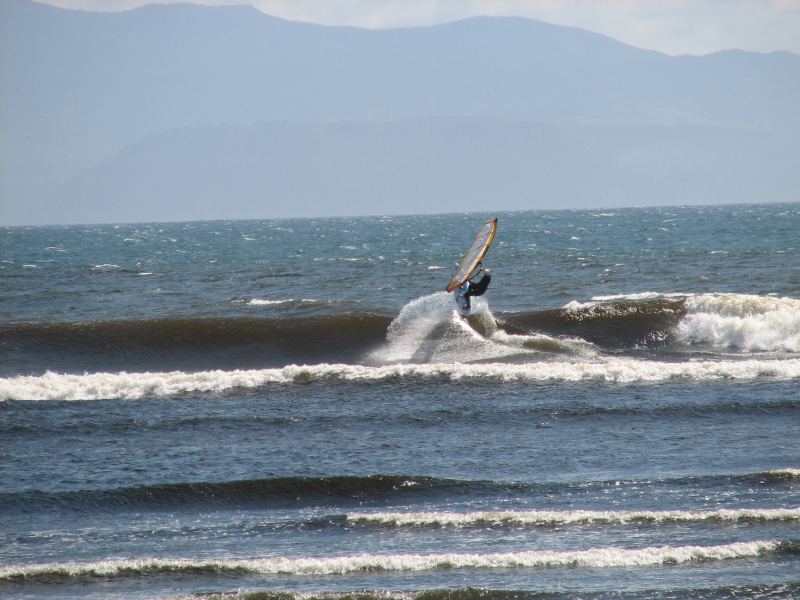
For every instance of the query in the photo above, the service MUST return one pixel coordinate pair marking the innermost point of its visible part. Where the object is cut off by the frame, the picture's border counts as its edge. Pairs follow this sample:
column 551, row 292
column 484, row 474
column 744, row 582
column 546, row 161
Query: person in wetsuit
column 477, row 284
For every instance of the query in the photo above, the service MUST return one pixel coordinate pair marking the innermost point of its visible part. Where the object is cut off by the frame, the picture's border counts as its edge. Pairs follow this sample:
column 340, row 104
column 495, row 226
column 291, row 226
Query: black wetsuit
column 477, row 289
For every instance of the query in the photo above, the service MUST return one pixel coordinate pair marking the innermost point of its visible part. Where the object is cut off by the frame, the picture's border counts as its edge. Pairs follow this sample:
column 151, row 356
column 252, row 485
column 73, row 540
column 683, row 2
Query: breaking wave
column 744, row 322
column 99, row 386
column 428, row 330
column 569, row 517
column 221, row 353
column 593, row 558
column 609, row 322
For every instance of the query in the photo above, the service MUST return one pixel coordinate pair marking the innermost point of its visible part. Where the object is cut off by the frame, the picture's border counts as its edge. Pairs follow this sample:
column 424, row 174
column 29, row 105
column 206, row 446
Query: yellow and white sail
column 480, row 245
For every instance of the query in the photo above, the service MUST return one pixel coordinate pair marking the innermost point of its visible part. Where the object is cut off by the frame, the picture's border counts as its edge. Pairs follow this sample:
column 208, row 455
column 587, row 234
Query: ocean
column 285, row 409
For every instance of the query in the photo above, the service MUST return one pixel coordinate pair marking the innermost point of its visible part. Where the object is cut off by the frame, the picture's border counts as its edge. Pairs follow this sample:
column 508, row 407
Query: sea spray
column 414, row 325
column 428, row 330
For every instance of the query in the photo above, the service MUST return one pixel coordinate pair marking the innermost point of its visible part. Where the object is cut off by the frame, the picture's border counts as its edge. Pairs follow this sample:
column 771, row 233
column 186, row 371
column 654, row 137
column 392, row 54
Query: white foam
column 105, row 267
column 600, row 303
column 268, row 302
column 593, row 558
column 546, row 343
column 569, row 517
column 788, row 472
column 640, row 296
column 94, row 386
column 744, row 322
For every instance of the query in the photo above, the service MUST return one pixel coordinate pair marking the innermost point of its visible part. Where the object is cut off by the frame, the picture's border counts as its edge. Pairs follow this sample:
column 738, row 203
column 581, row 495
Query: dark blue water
column 293, row 406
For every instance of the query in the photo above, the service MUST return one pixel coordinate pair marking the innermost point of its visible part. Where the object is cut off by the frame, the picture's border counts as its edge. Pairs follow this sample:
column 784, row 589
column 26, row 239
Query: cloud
column 672, row 26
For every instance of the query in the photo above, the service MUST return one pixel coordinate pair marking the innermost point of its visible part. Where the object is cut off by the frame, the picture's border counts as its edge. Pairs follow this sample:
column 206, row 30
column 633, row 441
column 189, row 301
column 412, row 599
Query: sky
column 670, row 26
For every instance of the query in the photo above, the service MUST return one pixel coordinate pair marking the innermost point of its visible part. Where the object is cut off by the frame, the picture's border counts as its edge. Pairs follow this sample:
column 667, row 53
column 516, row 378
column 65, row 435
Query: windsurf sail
column 480, row 245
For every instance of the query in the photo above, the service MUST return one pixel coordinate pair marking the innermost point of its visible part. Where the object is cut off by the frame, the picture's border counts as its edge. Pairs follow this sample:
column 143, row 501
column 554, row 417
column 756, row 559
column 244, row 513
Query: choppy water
column 293, row 406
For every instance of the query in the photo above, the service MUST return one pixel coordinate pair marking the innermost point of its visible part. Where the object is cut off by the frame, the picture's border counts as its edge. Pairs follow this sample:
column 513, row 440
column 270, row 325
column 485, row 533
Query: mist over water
column 295, row 406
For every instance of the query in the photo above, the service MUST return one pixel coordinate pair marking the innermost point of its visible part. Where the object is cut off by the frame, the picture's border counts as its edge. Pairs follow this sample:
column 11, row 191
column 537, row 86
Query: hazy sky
column 672, row 26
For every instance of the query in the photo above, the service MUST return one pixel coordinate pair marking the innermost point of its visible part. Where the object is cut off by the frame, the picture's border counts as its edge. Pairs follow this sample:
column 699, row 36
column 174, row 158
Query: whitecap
column 96, row 386
column 592, row 558
column 570, row 517
column 101, row 268
column 745, row 322
column 546, row 343
column 267, row 302
column 283, row 302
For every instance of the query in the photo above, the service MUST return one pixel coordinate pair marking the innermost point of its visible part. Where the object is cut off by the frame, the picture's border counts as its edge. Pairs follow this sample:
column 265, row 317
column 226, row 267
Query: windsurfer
column 470, row 278
column 477, row 284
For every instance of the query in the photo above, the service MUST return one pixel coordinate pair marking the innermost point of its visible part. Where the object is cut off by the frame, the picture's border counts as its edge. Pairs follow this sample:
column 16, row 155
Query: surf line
column 103, row 386
column 593, row 558
column 578, row 517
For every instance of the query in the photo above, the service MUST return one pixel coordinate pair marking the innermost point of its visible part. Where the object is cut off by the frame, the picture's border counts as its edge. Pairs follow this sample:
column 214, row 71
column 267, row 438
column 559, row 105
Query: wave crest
column 593, row 558
column 101, row 386
column 745, row 322
column 569, row 517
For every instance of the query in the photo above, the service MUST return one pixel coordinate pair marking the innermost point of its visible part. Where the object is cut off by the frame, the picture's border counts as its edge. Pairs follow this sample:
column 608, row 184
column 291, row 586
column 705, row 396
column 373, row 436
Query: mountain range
column 177, row 112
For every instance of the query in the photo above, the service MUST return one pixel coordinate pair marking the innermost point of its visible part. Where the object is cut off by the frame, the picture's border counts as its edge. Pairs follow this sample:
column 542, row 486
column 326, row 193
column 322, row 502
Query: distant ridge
column 420, row 166
column 82, row 91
